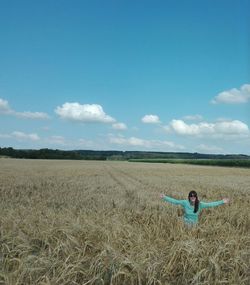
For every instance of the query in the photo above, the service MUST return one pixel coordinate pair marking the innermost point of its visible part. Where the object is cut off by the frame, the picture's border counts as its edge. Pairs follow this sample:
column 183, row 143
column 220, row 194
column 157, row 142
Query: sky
column 144, row 75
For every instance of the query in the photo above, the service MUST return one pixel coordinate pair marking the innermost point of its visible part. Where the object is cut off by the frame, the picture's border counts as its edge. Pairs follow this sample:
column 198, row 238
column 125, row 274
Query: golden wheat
column 86, row 222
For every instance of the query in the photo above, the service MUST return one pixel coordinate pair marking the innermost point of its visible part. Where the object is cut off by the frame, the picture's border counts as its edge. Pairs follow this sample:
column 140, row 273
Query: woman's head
column 193, row 198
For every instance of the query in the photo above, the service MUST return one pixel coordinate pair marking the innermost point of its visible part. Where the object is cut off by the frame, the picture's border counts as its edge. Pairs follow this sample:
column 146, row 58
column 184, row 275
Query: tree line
column 47, row 153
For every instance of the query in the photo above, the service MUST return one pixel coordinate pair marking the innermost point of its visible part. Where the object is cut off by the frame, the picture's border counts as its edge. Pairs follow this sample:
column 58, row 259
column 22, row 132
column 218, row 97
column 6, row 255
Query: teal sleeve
column 211, row 204
column 173, row 201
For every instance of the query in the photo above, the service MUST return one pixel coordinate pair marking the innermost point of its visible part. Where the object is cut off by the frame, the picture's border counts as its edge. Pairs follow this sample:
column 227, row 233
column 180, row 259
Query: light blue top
column 189, row 215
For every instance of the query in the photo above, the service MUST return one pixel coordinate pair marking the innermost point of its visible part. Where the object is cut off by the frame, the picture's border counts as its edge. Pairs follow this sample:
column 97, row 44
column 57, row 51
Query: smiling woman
column 192, row 207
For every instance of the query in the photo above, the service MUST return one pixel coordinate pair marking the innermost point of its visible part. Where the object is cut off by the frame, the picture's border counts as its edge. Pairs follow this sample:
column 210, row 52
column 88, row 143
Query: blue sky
column 125, row 75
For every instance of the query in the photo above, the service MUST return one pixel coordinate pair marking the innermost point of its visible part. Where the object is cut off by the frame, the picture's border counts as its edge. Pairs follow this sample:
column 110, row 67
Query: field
column 86, row 222
column 211, row 162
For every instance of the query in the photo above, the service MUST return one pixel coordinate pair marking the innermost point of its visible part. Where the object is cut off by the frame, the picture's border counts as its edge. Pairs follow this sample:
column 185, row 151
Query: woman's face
column 192, row 198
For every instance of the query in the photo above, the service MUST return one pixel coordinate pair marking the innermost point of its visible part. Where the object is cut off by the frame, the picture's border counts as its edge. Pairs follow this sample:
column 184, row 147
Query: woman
column 192, row 206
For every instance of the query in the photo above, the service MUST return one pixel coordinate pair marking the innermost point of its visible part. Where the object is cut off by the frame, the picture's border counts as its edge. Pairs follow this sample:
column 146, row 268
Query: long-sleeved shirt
column 189, row 215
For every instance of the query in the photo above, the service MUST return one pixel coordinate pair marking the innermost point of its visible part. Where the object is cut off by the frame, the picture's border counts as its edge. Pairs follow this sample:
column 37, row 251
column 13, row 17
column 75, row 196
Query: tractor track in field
column 124, row 179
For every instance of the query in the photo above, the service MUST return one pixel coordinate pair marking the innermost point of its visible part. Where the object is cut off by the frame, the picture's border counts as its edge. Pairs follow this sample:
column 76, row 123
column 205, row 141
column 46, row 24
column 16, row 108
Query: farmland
column 102, row 222
column 213, row 162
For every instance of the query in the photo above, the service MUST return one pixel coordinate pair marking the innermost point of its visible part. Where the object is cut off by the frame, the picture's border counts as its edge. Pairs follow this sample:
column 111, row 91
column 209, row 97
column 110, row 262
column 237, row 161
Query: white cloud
column 151, row 119
column 119, row 126
column 23, row 137
column 127, row 141
column 4, row 107
column 148, row 144
column 6, row 110
column 83, row 113
column 181, row 128
column 32, row 115
column 193, row 117
column 234, row 127
column 234, row 96
column 204, row 129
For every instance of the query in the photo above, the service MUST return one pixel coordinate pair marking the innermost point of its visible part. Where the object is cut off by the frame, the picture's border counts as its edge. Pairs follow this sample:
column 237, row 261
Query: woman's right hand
column 226, row 200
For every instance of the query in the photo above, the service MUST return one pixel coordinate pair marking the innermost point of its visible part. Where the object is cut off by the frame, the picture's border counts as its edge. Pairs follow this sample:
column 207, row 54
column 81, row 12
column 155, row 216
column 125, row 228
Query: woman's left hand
column 162, row 196
column 226, row 200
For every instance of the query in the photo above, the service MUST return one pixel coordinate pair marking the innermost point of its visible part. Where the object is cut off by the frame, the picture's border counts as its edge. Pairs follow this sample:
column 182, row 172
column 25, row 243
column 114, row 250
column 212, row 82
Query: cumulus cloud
column 119, row 126
column 151, row 119
column 5, row 109
column 234, row 96
column 182, row 128
column 149, row 144
column 234, row 127
column 217, row 129
column 86, row 113
column 24, row 137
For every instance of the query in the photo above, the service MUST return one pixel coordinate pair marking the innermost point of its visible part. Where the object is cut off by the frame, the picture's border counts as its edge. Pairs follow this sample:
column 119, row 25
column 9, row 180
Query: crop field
column 211, row 162
column 100, row 223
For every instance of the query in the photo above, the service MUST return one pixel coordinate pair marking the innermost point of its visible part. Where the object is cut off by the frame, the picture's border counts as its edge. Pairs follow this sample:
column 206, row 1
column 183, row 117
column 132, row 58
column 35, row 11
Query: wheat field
column 90, row 222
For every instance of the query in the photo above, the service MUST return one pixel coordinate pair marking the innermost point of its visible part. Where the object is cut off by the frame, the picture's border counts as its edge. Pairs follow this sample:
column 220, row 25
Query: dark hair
column 196, row 203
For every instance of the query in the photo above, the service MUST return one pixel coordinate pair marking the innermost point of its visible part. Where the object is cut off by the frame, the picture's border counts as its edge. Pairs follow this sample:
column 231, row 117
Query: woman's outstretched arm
column 214, row 204
column 172, row 200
